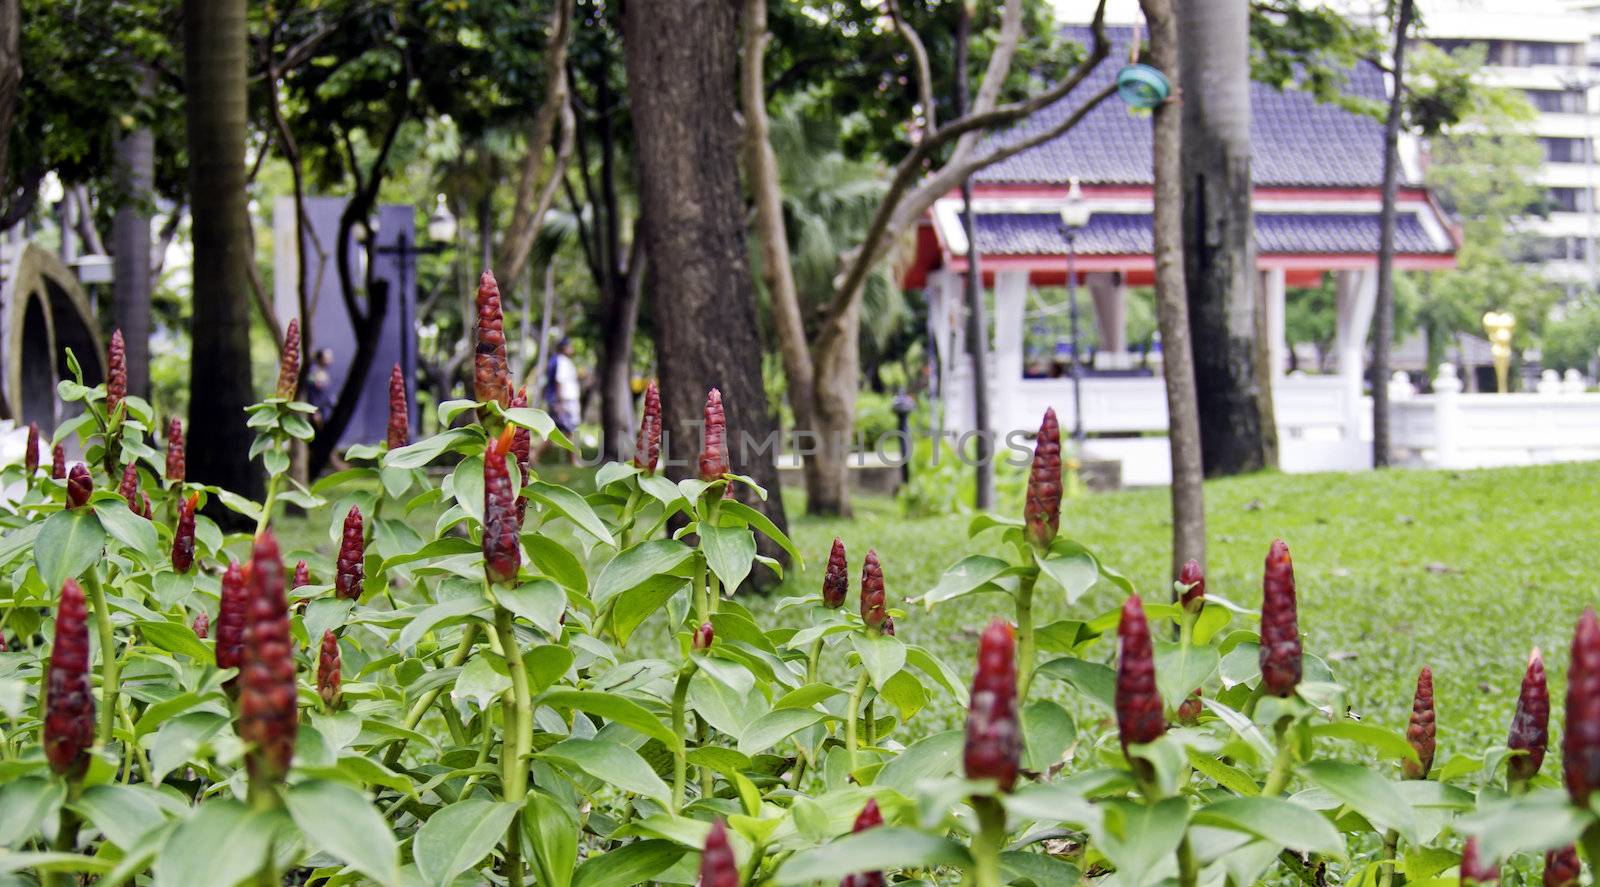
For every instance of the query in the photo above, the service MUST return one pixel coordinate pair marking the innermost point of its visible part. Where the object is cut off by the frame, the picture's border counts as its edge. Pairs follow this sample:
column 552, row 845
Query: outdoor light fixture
column 1499, row 325
column 1075, row 212
column 1074, row 215
column 442, row 224
column 1142, row 87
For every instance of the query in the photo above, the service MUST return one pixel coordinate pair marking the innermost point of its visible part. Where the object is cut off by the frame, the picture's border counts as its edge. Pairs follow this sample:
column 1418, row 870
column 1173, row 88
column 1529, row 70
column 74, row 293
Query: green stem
column 1188, row 866
column 420, row 708
column 1282, row 768
column 110, row 666
column 702, row 738
column 872, row 724
column 813, row 660
column 66, row 839
column 1391, row 843
column 1025, row 636
column 988, row 842
column 625, row 525
column 680, row 757
column 850, row 720
column 138, row 756
column 702, row 604
column 517, row 744
column 266, row 506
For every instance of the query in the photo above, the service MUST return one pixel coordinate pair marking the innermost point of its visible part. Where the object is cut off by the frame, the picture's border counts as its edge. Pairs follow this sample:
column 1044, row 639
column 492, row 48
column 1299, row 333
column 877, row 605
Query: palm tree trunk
column 1383, row 311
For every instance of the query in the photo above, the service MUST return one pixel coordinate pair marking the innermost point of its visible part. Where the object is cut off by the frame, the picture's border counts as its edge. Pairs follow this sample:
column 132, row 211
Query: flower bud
column 1475, row 869
column 873, row 611
column 888, row 626
column 490, row 375
column 869, row 817
column 1138, row 702
column 836, row 578
column 289, row 362
column 328, row 678
column 1280, row 630
column 201, row 625
column 717, row 865
column 116, row 373
column 302, row 575
column 647, row 451
column 1561, row 867
column 175, row 460
column 30, row 456
column 1530, row 726
column 1043, row 509
column 129, row 488
column 502, row 556
column 399, row 411
column 269, row 716
column 58, row 462
column 145, row 510
column 1422, row 730
column 1189, row 710
column 183, row 535
column 231, row 620
column 714, row 444
column 703, row 636
column 79, row 485
column 993, row 748
column 522, row 449
column 350, row 569
column 69, row 702
column 1194, row 581
column 1580, row 743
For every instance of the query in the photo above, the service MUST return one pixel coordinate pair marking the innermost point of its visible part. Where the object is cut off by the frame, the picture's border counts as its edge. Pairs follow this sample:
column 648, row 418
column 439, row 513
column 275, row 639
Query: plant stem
column 66, row 839
column 1391, row 843
column 988, row 842
column 850, row 719
column 872, row 724
column 1025, row 637
column 266, row 506
column 680, row 758
column 1282, row 767
column 109, row 665
column 1188, row 868
column 702, row 602
column 813, row 660
column 517, row 743
column 420, row 708
column 625, row 525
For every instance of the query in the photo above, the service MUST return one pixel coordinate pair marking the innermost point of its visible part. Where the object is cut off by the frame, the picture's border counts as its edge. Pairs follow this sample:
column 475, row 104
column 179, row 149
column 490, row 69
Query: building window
column 1561, row 150
column 1522, row 55
column 1556, row 101
column 1571, row 200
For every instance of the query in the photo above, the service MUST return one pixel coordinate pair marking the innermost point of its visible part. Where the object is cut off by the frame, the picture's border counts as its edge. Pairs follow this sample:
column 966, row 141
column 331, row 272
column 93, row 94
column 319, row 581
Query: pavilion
column 1317, row 173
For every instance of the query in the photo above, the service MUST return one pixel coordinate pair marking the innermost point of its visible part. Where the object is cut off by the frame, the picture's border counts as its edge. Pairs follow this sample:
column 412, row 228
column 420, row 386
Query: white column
column 1447, row 416
column 1010, row 317
column 956, row 365
column 1111, row 318
column 1357, row 291
column 1273, row 291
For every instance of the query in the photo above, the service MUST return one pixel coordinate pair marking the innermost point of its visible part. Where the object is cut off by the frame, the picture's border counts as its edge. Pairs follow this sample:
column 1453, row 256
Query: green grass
column 1461, row 571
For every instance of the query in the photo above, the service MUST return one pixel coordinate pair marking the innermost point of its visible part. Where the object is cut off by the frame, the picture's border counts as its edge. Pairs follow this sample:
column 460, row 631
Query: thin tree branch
column 528, row 216
column 920, row 68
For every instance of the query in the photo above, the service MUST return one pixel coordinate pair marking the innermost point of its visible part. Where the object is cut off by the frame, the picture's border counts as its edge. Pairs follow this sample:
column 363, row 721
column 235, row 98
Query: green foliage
column 1572, row 336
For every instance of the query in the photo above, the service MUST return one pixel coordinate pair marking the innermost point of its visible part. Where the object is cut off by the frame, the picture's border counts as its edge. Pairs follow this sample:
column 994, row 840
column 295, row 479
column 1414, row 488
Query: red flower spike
column 836, row 578
column 1580, row 744
column 1530, row 726
column 269, row 716
column 1194, row 580
column 703, row 636
column 1189, row 710
column 522, row 449
column 717, row 865
column 183, row 535
column 129, row 488
column 231, row 617
column 350, row 569
column 144, row 506
column 714, row 443
column 69, row 702
column 869, row 817
column 79, row 485
column 328, row 678
column 1422, row 730
column 502, row 556
column 289, row 362
column 30, row 456
column 647, row 451
column 1561, row 867
column 201, row 625
column 1280, row 630
column 1474, row 868
column 58, row 462
column 116, row 373
column 993, row 748
column 872, row 594
column 3, row 647
column 1138, row 702
column 1042, row 511
column 302, row 575
column 399, row 412
column 175, row 460
column 490, row 375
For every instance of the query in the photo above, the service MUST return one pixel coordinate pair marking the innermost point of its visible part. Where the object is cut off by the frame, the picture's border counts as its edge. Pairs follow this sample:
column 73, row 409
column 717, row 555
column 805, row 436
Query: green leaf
column 633, row 863
column 454, row 608
column 611, row 763
column 776, row 726
column 573, row 507
column 763, row 524
column 126, row 527
column 69, row 543
column 616, row 708
column 638, row 565
column 541, row 602
column 175, row 637
column 729, row 552
column 458, row 837
column 339, row 821
column 222, row 843
column 1389, row 743
column 24, row 805
column 123, row 813
column 885, row 848
column 555, row 561
column 1537, row 822
column 51, row 862
column 1075, row 571
column 1047, row 731
column 930, row 757
column 634, row 606
column 552, row 827
column 1181, row 668
column 972, row 573
column 1139, row 837
column 1281, row 822
column 178, row 739
column 1092, row 679
column 727, row 710
column 882, row 655
column 428, row 449
column 1225, row 775
column 481, row 682
column 1366, row 792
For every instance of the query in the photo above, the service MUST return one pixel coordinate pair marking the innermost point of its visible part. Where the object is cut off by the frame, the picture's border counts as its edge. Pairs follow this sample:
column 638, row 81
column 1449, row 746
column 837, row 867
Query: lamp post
column 442, row 235
column 1074, row 215
column 1499, row 325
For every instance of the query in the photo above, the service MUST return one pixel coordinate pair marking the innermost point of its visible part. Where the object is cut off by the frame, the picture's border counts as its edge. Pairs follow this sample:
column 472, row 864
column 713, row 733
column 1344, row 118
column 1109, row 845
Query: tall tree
column 10, row 82
column 1232, row 376
column 215, row 71
column 681, row 64
column 134, row 175
column 1383, row 311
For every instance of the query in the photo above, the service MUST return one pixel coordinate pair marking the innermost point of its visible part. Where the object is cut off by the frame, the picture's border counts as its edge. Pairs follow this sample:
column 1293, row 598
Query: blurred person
column 563, row 392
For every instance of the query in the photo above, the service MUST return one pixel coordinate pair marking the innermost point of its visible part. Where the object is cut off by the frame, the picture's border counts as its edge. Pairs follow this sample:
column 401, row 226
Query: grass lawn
column 1461, row 571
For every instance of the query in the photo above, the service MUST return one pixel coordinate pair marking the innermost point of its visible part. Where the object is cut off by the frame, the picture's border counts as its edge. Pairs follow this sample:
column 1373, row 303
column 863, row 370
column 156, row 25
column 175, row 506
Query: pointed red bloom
column 1561, row 867
column 30, row 456
column 714, row 443
column 647, row 451
column 873, row 611
column 350, row 569
column 490, row 375
column 836, row 578
column 175, row 460
column 116, row 373
column 1474, row 868
column 501, row 554
column 183, row 535
column 129, row 488
column 1580, row 744
column 79, row 485
column 58, row 462
column 703, row 636
column 1138, row 702
column 717, row 865
column 522, row 449
column 1530, row 726
column 1043, row 509
column 231, row 618
column 869, row 817
column 993, row 747
column 269, row 716
column 1189, row 710
column 302, row 575
column 399, row 412
column 144, row 505
column 1422, row 730
column 328, row 677
column 201, row 625
column 1194, row 578
column 69, row 702
column 289, row 362
column 1280, row 629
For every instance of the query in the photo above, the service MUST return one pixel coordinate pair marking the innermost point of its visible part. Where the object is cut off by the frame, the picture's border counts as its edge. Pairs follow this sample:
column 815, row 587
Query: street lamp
column 1499, row 325
column 1074, row 215
column 442, row 234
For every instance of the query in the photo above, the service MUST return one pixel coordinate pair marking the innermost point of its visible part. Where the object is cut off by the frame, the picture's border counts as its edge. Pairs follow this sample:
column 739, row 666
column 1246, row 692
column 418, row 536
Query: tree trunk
column 220, row 387
column 838, row 366
column 134, row 172
column 977, row 321
column 1172, row 307
column 1383, row 310
column 1232, row 375
column 681, row 63
column 10, row 83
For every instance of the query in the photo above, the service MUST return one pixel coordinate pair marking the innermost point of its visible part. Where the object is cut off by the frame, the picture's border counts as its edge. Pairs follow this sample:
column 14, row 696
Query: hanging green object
column 1143, row 87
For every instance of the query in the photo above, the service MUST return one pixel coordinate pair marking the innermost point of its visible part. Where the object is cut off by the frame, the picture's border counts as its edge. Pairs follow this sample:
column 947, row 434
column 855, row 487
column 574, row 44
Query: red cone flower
column 231, row 618
column 350, row 569
column 1530, row 726
column 490, row 375
column 1422, row 730
column 1189, row 710
column 873, row 610
column 116, row 373
column 1138, row 702
column 869, row 817
column 522, row 449
column 1194, row 595
column 175, row 460
column 328, row 677
column 1280, row 630
column 1043, row 509
column 144, row 505
column 399, row 412
column 501, row 554
column 201, row 625
column 69, row 702
column 717, row 865
column 836, row 578
column 129, row 488
column 79, row 485
column 703, row 636
column 993, row 748
column 269, row 716
column 30, row 456
column 183, row 535
column 289, row 362
column 1561, row 867
column 714, row 444
column 302, row 575
column 1580, row 744
column 58, row 462
column 1474, row 868
column 647, row 451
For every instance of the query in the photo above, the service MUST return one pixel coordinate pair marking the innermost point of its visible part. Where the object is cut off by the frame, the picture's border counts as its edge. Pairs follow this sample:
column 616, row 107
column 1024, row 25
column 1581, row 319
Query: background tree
column 1383, row 311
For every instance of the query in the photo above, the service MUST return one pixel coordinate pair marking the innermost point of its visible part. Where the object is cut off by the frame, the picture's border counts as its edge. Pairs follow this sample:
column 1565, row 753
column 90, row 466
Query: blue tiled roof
column 1122, row 233
column 1294, row 139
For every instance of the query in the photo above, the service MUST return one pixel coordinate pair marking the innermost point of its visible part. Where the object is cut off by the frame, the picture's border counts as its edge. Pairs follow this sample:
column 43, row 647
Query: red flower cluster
column 502, row 556
column 399, row 413
column 30, row 456
column 703, row 636
column 714, row 443
column 1580, row 744
column 232, row 617
column 201, row 625
column 1138, row 702
column 993, row 748
column 58, row 462
column 1189, row 709
column 69, row 702
column 183, row 535
column 1530, row 726
column 1193, row 578
column 1042, row 510
column 129, row 488
column 1561, row 867
column 1474, row 868
column 175, row 460
column 490, row 374
column 269, row 716
column 116, row 373
column 647, row 451
column 289, row 363
column 873, row 604
column 1423, row 729
column 836, row 578
column 302, row 575
column 350, row 570
column 869, row 817
column 1280, row 629
column 79, row 485
column 522, row 449
column 717, row 865
column 328, row 677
